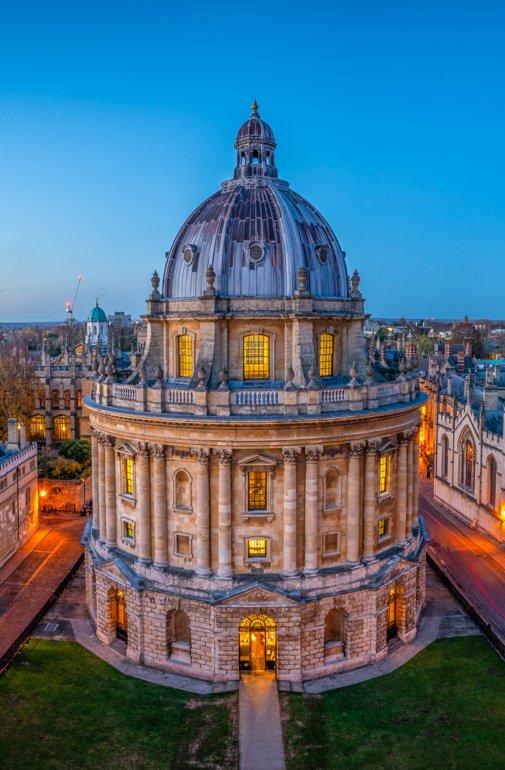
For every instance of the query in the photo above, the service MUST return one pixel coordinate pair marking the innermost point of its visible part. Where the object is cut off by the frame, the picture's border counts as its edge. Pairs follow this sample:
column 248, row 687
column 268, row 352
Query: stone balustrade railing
column 255, row 402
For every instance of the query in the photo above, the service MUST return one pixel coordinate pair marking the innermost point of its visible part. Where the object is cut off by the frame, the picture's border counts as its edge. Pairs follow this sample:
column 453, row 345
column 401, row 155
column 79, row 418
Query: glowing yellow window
column 385, row 473
column 127, row 472
column 61, row 428
column 257, row 491
column 129, row 529
column 383, row 527
column 326, row 355
column 256, row 357
column 257, row 548
column 79, row 398
column 185, row 355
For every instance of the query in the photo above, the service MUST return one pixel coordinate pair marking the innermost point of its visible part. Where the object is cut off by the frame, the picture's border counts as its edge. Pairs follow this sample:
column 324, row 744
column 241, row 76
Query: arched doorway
column 392, row 615
column 121, row 616
column 258, row 644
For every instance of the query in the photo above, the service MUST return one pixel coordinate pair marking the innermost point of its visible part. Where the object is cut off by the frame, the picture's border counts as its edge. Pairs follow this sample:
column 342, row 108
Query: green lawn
column 63, row 708
column 443, row 709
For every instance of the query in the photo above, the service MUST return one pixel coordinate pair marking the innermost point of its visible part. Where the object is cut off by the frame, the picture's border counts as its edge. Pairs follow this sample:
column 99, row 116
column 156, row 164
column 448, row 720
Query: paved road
column 30, row 578
column 477, row 565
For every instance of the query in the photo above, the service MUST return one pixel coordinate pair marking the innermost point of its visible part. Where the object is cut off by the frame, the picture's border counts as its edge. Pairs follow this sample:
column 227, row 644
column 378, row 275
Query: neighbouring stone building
column 18, row 490
column 254, row 480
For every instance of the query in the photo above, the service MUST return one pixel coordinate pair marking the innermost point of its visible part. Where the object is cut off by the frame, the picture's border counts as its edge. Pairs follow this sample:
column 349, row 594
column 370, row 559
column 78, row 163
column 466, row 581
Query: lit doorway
column 258, row 644
column 121, row 616
column 392, row 616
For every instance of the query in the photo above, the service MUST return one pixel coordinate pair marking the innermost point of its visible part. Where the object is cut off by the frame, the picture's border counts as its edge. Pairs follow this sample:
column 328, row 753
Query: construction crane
column 69, row 306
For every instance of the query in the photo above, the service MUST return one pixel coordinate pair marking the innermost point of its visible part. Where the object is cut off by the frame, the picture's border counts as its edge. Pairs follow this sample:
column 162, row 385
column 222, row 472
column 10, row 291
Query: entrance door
column 257, row 650
column 392, row 615
column 121, row 617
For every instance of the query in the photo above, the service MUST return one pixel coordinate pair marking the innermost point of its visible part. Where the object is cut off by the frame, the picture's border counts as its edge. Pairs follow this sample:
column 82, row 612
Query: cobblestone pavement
column 443, row 617
column 260, row 738
column 31, row 577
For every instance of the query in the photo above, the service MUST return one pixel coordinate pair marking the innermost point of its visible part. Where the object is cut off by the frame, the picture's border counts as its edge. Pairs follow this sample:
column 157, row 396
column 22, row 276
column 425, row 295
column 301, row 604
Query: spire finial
column 255, row 108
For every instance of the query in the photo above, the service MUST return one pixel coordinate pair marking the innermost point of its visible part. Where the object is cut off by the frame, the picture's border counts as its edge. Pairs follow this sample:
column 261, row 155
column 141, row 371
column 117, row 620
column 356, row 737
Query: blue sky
column 118, row 119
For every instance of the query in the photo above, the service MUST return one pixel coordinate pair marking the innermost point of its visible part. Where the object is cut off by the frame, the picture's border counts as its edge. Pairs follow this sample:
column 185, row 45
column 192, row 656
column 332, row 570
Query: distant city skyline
column 117, row 121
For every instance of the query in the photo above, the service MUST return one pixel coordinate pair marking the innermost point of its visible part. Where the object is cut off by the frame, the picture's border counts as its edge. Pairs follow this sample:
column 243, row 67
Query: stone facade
column 253, row 473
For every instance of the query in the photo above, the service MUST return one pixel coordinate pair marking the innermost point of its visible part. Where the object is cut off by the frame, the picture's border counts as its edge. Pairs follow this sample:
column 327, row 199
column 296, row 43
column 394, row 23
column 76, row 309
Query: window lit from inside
column 185, row 355
column 383, row 527
column 256, row 357
column 127, row 473
column 384, row 473
column 129, row 530
column 257, row 548
column 257, row 491
column 326, row 355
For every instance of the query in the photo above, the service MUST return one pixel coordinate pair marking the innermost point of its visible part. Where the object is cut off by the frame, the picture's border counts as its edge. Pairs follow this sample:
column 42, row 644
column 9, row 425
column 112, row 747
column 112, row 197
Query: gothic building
column 254, row 485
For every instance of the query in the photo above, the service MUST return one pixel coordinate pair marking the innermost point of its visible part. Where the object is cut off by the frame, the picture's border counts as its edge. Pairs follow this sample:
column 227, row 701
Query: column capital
column 224, row 456
column 403, row 438
column 109, row 441
column 289, row 454
column 355, row 450
column 94, row 433
column 202, row 455
column 313, row 454
column 158, row 451
column 372, row 447
column 143, row 449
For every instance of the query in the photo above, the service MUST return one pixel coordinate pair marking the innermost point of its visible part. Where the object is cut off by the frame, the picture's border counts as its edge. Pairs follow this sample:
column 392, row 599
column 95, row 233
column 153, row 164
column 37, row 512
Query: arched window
column 267, row 159
column 491, row 482
column 242, row 159
column 326, row 342
column 61, row 428
column 255, row 158
column 67, row 399
column 444, row 457
column 55, row 398
column 256, row 357
column 466, row 463
column 332, row 489
column 184, row 355
column 182, row 491
column 42, row 398
column 79, row 398
column 38, row 428
column 334, row 635
column 179, row 636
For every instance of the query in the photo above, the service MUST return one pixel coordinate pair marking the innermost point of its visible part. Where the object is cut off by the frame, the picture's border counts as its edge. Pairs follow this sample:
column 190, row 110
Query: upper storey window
column 256, row 357
column 384, row 474
column 185, row 355
column 326, row 355
column 257, row 491
column 127, row 475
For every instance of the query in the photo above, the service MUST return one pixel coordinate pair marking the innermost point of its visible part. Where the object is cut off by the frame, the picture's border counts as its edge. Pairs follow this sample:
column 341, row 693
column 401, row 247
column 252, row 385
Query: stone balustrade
column 255, row 401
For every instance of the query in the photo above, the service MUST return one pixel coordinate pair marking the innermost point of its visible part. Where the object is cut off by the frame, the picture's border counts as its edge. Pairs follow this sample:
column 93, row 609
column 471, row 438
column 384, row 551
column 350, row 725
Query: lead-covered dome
column 256, row 233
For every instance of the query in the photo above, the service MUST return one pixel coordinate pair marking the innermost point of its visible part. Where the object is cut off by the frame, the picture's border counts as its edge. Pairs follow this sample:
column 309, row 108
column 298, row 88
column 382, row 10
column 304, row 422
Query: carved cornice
column 224, row 456
column 334, row 451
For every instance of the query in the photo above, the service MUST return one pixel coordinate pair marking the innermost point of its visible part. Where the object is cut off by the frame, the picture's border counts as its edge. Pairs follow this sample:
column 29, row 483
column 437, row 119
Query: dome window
column 256, row 251
column 242, row 159
column 255, row 158
column 189, row 253
column 322, row 254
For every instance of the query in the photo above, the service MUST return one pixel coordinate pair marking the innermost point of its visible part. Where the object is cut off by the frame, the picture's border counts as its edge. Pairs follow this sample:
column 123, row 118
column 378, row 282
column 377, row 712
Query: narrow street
column 474, row 563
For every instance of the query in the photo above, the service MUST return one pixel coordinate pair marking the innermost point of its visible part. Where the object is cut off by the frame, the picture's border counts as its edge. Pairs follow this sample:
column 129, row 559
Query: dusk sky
column 118, row 119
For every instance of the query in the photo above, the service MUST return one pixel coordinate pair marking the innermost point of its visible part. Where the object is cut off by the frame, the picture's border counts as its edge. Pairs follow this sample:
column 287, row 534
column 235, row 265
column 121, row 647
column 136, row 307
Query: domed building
column 97, row 327
column 254, row 485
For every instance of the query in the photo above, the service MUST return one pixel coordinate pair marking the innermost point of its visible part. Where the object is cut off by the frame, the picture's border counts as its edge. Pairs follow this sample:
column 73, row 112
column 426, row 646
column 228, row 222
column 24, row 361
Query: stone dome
column 256, row 233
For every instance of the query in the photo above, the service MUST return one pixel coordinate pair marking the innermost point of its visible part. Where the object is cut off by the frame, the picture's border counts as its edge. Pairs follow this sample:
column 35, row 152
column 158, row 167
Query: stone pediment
column 257, row 594
column 116, row 570
column 257, row 460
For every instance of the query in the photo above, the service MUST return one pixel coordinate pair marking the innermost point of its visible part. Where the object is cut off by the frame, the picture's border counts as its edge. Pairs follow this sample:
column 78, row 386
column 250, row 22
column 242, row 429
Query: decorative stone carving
column 289, row 455
column 224, row 456
column 312, row 454
column 202, row 454
column 158, row 451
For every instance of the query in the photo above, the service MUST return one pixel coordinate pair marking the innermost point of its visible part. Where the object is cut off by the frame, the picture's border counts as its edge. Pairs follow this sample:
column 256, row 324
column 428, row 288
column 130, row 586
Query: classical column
column 289, row 532
column 312, row 455
column 110, row 491
column 203, row 514
column 410, row 485
column 101, row 486
column 415, row 480
column 95, row 482
column 370, row 501
column 353, row 503
column 224, row 508
column 143, row 503
column 160, row 507
column 401, row 490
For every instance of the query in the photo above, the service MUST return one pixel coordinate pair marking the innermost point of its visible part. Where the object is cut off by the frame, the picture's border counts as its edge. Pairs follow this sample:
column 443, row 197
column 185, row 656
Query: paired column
column 110, row 491
column 370, row 502
column 312, row 455
column 101, row 486
column 203, row 515
column 289, row 533
column 224, row 457
column 401, row 490
column 415, row 480
column 94, row 479
column 410, row 485
column 353, row 503
column 143, row 504
column 160, row 507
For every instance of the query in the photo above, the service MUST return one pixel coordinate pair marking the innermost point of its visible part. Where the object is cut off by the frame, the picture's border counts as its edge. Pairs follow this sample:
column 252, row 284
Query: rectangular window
column 385, row 473
column 383, row 527
column 256, row 357
column 182, row 545
column 257, row 491
column 185, row 355
column 332, row 543
column 257, row 548
column 129, row 530
column 127, row 474
column 326, row 355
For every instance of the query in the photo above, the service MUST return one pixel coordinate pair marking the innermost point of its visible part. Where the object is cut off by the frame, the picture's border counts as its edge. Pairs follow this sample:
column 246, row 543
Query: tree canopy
column 17, row 382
